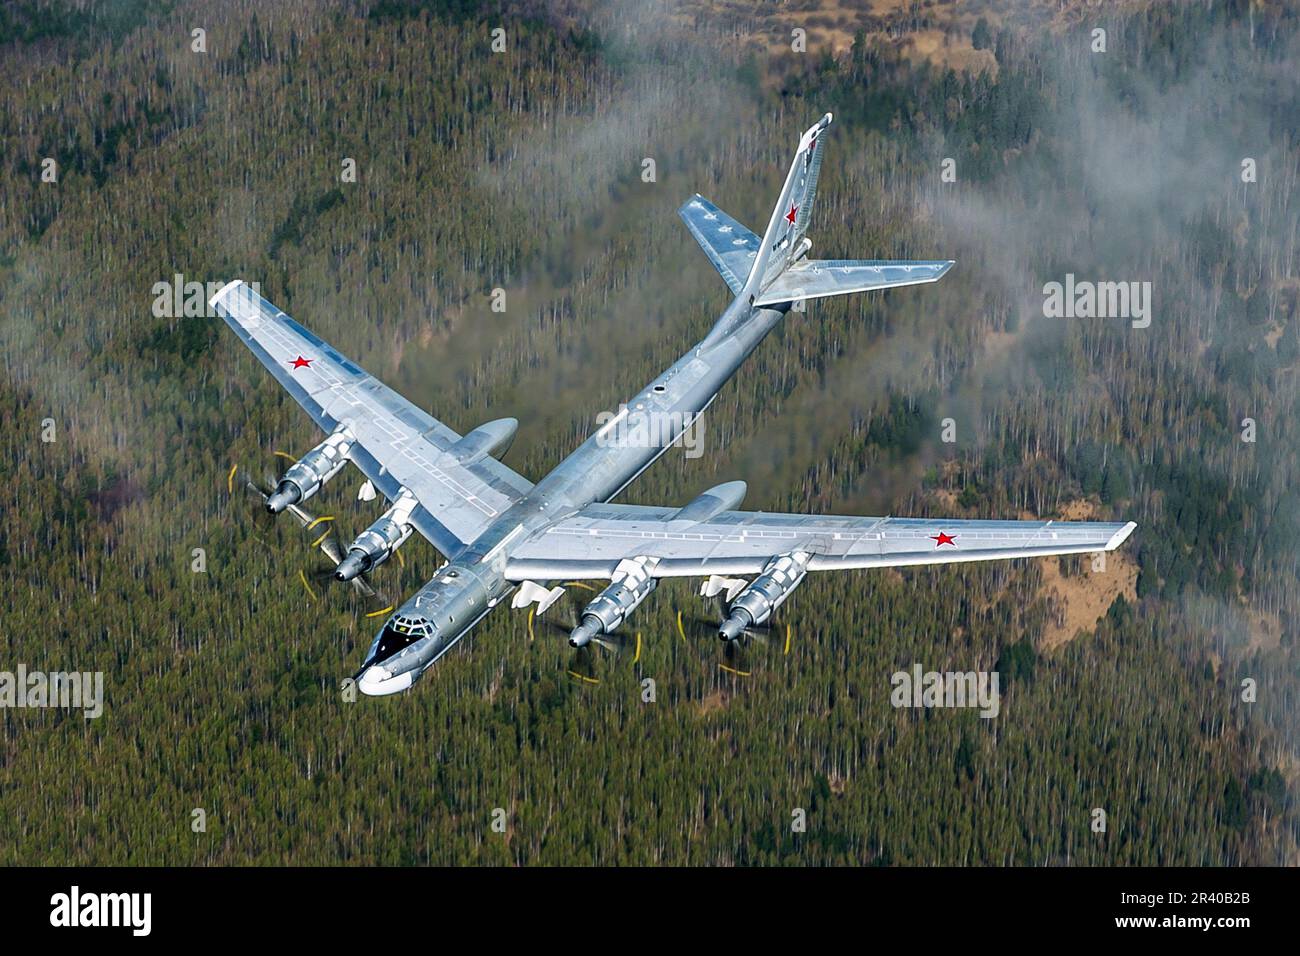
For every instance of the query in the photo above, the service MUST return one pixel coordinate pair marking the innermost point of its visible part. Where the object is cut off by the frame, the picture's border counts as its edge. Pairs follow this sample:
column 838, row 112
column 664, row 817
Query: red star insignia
column 943, row 538
column 301, row 362
column 790, row 216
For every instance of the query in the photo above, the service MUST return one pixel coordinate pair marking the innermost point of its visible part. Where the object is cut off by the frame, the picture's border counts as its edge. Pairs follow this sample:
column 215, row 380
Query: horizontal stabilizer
column 729, row 245
column 818, row 278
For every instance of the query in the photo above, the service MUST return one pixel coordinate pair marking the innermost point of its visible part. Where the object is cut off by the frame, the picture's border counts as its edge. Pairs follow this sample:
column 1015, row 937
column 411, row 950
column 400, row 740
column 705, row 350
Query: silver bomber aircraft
column 501, row 534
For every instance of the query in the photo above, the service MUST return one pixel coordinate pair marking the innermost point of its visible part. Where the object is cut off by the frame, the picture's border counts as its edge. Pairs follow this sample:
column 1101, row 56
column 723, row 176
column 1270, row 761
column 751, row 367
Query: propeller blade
column 746, row 650
column 753, row 647
column 585, row 663
column 319, row 531
column 380, row 603
column 557, row 620
column 736, row 658
column 583, row 666
column 255, row 503
column 620, row 642
column 691, row 627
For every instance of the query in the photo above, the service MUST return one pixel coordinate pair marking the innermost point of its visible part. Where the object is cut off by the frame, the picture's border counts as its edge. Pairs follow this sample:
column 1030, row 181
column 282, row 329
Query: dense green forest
column 522, row 170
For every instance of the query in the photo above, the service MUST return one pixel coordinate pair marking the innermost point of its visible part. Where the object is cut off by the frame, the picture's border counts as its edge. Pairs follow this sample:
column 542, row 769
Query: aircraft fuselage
column 611, row 458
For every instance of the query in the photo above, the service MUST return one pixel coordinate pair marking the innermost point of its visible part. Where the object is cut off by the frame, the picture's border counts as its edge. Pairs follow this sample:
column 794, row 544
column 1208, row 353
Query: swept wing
column 396, row 444
column 593, row 541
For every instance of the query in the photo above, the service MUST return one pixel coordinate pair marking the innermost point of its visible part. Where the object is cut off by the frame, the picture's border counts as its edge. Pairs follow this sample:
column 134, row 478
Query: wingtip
column 1120, row 536
column 943, row 266
column 217, row 296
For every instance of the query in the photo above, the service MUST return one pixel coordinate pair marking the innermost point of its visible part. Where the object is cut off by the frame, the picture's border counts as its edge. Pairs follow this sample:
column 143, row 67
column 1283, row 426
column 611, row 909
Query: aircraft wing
column 817, row 278
column 591, row 543
column 397, row 444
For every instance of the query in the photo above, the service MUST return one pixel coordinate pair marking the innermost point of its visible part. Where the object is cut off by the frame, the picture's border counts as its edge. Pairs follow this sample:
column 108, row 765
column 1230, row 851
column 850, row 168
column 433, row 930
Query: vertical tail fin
column 783, row 242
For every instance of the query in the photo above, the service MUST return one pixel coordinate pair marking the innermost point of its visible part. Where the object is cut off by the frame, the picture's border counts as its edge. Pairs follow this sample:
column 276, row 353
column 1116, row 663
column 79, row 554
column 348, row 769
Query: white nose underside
column 377, row 682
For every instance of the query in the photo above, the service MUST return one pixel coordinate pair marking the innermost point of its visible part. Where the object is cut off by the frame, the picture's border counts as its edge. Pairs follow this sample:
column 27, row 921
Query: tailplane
column 729, row 245
column 818, row 278
column 772, row 270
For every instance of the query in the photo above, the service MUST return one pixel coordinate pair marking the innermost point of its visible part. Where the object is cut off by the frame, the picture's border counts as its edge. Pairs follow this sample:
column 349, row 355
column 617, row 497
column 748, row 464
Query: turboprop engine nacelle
column 765, row 594
column 630, row 585
column 305, row 477
column 377, row 543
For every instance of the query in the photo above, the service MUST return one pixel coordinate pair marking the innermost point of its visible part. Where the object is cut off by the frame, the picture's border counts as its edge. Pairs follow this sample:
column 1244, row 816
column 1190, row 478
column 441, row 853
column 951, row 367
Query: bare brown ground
column 1082, row 599
column 944, row 38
